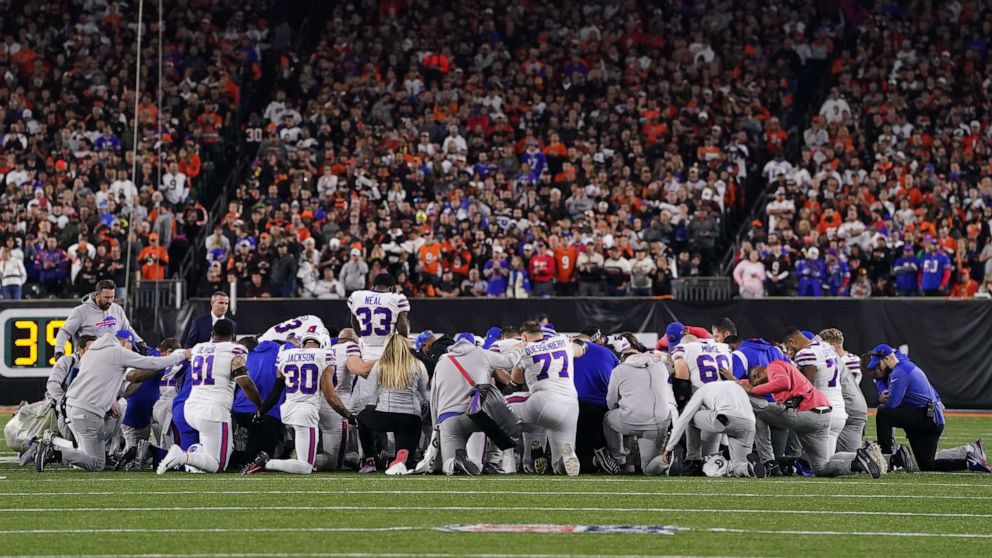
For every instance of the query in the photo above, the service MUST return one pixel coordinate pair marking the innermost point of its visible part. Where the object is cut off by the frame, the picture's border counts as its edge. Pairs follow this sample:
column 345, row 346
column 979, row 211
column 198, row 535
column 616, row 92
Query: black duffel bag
column 490, row 412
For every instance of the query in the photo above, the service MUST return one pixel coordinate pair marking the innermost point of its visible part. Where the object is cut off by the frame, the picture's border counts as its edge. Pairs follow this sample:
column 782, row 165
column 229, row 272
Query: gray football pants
column 812, row 430
column 92, row 433
column 739, row 431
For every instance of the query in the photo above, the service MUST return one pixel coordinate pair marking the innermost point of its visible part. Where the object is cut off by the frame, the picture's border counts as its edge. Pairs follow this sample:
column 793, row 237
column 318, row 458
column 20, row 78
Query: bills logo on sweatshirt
column 109, row 322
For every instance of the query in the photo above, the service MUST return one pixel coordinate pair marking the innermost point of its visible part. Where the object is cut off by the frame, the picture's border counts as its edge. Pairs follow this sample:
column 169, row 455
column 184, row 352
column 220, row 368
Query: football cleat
column 904, row 459
column 141, row 456
column 368, row 466
column 977, row 463
column 28, row 455
column 257, row 465
column 676, row 461
column 876, row 452
column 867, row 462
column 539, row 458
column 605, row 462
column 464, row 464
column 979, row 446
column 172, row 460
column 398, row 465
column 569, row 460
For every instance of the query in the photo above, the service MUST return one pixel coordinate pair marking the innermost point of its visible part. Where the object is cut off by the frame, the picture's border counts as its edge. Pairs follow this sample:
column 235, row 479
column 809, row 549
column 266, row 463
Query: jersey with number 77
column 547, row 366
column 376, row 314
column 704, row 358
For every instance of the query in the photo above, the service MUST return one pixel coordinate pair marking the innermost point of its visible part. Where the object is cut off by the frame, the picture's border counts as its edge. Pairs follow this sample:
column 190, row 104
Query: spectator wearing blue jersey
column 496, row 272
column 907, row 400
column 906, row 270
column 935, row 269
column 810, row 271
column 265, row 435
column 592, row 379
column 838, row 274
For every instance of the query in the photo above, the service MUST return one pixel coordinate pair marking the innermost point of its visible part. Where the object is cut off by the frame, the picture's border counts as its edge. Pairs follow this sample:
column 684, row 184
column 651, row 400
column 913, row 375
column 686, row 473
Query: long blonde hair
column 397, row 364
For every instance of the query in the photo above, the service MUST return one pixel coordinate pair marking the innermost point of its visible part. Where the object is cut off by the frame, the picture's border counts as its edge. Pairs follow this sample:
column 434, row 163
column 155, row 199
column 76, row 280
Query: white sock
column 294, row 466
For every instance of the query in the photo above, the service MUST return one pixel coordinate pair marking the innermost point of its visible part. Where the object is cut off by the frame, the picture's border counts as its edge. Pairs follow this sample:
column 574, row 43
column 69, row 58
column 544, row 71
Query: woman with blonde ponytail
column 398, row 385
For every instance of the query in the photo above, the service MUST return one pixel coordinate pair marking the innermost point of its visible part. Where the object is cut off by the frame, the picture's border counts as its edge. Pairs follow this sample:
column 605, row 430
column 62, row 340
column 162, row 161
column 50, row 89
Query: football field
column 69, row 513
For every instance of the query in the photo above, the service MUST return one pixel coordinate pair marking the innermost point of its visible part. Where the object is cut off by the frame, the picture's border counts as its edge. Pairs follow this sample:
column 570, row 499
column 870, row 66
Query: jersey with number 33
column 296, row 327
column 547, row 366
column 212, row 380
column 828, row 370
column 704, row 358
column 302, row 369
column 376, row 314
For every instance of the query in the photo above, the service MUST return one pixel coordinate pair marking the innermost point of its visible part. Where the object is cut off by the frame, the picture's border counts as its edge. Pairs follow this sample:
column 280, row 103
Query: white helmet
column 315, row 336
column 715, row 466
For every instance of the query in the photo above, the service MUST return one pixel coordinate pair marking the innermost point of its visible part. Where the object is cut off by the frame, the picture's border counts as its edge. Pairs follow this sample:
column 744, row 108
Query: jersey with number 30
column 302, row 369
column 296, row 327
column 547, row 366
column 704, row 358
column 376, row 314
column 212, row 380
column 828, row 370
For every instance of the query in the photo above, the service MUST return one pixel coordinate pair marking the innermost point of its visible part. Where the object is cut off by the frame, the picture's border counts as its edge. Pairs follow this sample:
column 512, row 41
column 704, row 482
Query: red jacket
column 542, row 269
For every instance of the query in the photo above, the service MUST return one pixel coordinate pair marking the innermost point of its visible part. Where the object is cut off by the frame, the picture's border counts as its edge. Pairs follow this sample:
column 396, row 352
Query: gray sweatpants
column 813, row 431
column 650, row 442
column 857, row 418
column 454, row 433
column 739, row 431
column 92, row 433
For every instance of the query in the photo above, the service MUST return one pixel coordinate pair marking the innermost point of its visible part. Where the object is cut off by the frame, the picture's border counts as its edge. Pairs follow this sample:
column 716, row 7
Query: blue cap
column 674, row 333
column 465, row 336
column 878, row 353
column 808, row 334
column 424, row 336
column 127, row 335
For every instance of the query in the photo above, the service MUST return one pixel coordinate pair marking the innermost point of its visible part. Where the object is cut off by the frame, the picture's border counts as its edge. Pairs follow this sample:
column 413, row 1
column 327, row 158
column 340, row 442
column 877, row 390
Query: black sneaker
column 866, row 461
column 120, row 461
column 464, row 464
column 44, row 456
column 256, row 466
column 677, row 462
column 605, row 462
column 757, row 467
column 693, row 468
column 140, row 456
column 772, row 469
column 904, row 459
column 539, row 458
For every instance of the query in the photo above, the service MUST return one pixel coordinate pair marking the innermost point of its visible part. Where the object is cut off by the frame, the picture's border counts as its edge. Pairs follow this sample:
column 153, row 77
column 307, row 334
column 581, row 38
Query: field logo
column 558, row 529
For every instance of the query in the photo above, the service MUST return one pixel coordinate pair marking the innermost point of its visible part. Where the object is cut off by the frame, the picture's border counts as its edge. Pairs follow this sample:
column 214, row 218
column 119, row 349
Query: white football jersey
column 376, row 314
column 343, row 380
column 852, row 362
column 548, row 366
column 167, row 384
column 504, row 346
column 704, row 358
column 212, row 384
column 297, row 327
column 828, row 369
column 302, row 369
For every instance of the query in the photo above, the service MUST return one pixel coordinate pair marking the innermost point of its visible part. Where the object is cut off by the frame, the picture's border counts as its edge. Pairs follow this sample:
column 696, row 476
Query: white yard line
column 494, row 508
column 209, row 530
column 498, row 492
column 363, row 555
column 851, row 533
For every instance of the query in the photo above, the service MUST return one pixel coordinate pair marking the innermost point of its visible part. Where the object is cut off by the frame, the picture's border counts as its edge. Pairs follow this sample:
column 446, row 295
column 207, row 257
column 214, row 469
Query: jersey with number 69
column 376, row 313
column 547, row 366
column 828, row 370
column 704, row 358
column 212, row 379
column 296, row 327
column 302, row 369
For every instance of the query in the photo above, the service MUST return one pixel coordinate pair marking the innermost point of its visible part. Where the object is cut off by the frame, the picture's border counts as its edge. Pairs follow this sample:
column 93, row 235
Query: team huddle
column 303, row 397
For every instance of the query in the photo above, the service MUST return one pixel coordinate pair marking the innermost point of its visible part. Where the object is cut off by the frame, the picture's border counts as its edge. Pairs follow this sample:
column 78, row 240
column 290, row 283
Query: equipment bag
column 490, row 412
column 31, row 420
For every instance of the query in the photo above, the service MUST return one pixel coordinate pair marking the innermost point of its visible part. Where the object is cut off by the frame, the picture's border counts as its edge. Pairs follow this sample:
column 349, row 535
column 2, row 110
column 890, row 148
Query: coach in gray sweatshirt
column 96, row 315
column 451, row 392
column 641, row 404
column 91, row 397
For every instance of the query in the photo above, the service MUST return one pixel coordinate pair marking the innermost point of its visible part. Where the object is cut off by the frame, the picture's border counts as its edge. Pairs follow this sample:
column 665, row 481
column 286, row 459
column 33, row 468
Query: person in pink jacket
column 750, row 276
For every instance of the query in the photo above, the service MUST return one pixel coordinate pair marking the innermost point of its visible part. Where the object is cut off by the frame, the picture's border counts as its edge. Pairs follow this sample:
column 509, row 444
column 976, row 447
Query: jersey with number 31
column 377, row 314
column 302, row 369
column 704, row 358
column 212, row 380
column 547, row 366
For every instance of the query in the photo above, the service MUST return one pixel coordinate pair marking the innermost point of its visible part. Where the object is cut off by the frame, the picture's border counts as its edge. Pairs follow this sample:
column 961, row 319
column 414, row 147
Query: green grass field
column 339, row 515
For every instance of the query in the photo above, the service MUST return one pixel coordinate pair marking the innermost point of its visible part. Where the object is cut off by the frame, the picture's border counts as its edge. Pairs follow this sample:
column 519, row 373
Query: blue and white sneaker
column 28, row 455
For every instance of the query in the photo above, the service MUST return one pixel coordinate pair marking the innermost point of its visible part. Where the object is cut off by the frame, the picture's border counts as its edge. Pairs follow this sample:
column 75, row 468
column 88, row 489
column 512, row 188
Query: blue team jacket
column 592, row 374
column 908, row 386
column 261, row 365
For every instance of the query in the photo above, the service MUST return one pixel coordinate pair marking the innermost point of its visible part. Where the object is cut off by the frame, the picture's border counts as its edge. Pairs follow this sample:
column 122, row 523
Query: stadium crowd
column 69, row 207
column 892, row 193
column 519, row 399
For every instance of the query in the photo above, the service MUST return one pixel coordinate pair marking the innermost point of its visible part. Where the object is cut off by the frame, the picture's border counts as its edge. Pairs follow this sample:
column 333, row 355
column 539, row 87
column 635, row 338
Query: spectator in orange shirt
column 153, row 260
column 565, row 257
column 965, row 287
column 829, row 219
column 429, row 256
